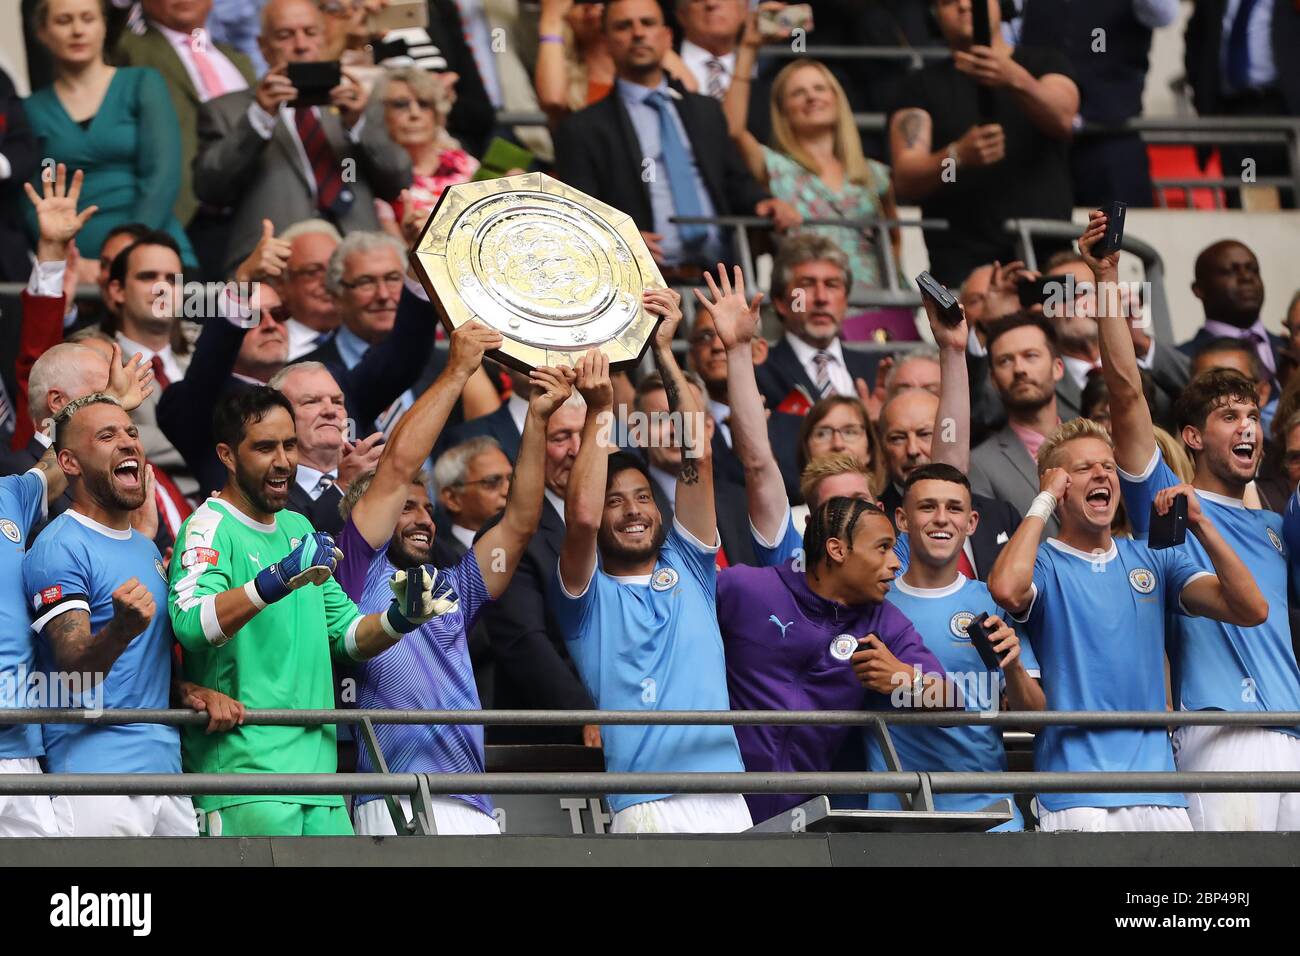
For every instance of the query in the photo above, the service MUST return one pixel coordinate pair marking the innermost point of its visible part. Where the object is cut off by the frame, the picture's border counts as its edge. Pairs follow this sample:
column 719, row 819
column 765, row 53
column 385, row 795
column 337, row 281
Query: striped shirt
column 429, row 669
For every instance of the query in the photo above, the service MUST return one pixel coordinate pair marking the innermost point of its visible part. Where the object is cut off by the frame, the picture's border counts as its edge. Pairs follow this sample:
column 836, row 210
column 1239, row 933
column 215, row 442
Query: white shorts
column 1245, row 749
column 451, row 817
column 686, row 813
column 1115, row 819
column 133, row 816
column 32, row 816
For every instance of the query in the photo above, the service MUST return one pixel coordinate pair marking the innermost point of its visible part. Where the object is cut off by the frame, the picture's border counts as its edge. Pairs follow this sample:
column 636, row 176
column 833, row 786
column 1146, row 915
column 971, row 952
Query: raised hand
column 419, row 595
column 551, row 389
column 133, row 609
column 877, row 668
column 1057, row 481
column 1164, row 500
column 946, row 336
column 469, row 342
column 1004, row 640
column 268, row 260
column 130, row 383
column 982, row 145
column 593, row 380
column 56, row 213
column 667, row 304
column 735, row 318
column 1107, row 267
column 311, row 562
column 359, row 457
column 349, row 98
column 988, row 66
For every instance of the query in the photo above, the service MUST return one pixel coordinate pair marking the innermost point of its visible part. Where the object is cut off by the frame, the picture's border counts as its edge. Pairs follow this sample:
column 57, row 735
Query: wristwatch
column 918, row 683
column 954, row 155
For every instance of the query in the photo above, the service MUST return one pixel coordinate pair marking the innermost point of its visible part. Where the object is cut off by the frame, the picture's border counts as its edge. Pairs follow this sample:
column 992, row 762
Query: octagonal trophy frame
column 555, row 271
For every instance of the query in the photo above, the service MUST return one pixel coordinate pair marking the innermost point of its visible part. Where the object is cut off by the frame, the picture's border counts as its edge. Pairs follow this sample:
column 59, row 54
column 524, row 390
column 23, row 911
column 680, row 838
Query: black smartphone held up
column 1110, row 242
column 313, row 81
column 947, row 304
column 982, row 35
column 978, row 632
column 1036, row 291
column 1168, row 530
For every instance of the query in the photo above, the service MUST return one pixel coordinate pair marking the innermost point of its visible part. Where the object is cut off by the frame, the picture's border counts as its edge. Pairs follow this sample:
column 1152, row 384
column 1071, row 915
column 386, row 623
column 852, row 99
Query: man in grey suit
column 270, row 160
column 1025, row 366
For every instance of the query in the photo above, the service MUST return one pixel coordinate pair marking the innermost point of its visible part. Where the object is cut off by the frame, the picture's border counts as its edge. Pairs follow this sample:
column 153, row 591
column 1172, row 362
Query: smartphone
column 982, row 35
column 313, row 81
column 778, row 24
column 1110, row 242
column 1036, row 291
column 947, row 304
column 1168, row 530
column 978, row 632
column 399, row 15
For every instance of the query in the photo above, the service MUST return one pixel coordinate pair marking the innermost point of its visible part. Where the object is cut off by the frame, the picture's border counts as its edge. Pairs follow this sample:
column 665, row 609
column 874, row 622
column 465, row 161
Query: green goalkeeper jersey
column 279, row 659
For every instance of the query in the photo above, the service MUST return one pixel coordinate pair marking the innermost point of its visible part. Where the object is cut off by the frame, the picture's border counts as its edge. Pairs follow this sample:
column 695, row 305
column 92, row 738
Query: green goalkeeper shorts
column 272, row 818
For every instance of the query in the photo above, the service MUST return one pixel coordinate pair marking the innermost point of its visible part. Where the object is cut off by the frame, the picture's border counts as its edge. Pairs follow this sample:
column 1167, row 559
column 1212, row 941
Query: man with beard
column 1025, row 365
column 636, row 602
column 796, row 640
column 389, row 526
column 1233, row 666
column 258, row 614
column 1094, row 608
column 940, row 600
column 96, row 586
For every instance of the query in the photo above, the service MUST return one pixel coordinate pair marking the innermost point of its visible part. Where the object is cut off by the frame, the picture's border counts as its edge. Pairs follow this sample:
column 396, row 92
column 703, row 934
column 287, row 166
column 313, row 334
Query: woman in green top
column 118, row 125
column 816, row 164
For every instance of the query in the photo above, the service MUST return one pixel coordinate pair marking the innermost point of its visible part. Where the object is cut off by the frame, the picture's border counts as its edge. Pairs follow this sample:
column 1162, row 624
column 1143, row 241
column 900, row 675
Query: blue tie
column 681, row 174
column 1238, row 66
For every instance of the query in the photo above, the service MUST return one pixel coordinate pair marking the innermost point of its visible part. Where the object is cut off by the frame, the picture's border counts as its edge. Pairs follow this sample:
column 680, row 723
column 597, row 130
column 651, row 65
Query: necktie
column 206, row 67
column 716, row 84
column 1264, row 351
column 331, row 197
column 7, row 418
column 681, row 172
column 325, row 484
column 822, row 361
column 1238, row 65
column 159, row 373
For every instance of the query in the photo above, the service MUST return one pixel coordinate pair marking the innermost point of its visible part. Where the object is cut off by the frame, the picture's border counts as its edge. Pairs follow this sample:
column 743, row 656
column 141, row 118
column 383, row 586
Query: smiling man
column 1214, row 666
column 98, row 588
column 257, row 612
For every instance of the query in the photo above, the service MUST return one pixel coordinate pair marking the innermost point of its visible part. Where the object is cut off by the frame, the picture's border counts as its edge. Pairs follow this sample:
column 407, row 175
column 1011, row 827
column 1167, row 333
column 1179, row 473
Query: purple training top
column 782, row 655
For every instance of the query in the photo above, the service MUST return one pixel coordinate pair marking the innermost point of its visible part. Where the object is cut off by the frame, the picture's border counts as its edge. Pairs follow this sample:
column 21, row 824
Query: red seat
column 1180, row 162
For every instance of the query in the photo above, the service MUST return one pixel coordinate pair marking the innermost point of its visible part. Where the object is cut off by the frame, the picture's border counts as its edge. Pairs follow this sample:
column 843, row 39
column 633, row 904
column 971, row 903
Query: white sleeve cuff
column 46, row 279
column 45, row 492
column 1029, row 608
column 1182, row 608
column 208, row 621
column 263, row 123
column 780, row 533
column 1146, row 472
column 350, row 638
column 564, row 588
column 250, row 590
column 706, row 548
column 38, row 625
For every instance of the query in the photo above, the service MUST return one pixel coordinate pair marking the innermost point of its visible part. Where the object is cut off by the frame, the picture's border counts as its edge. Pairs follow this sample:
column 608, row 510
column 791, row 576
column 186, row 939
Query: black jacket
column 782, row 373
column 499, row 425
column 732, row 517
column 597, row 151
column 18, row 146
column 533, row 669
column 998, row 522
column 323, row 513
column 1204, row 41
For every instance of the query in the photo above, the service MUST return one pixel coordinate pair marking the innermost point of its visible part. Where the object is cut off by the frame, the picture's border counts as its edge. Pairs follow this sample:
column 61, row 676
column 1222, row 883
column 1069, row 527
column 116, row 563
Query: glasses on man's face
column 703, row 337
column 846, row 432
column 279, row 313
column 368, row 284
column 313, row 272
column 490, row 483
column 403, row 104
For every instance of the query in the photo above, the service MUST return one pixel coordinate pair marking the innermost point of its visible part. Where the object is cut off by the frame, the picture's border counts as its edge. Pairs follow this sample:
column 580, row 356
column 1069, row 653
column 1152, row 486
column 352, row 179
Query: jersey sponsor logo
column 199, row 556
column 47, row 596
column 1143, row 580
column 1272, row 536
column 10, row 530
column 664, row 579
column 958, row 624
column 844, row 646
column 777, row 621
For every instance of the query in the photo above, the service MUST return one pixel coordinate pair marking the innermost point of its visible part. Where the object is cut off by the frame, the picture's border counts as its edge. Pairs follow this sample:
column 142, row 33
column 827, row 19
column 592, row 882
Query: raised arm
column 509, row 538
column 584, row 498
column 1135, row 437
column 735, row 104
column 694, row 506
column 77, row 650
column 416, row 432
column 1050, row 101
column 951, row 441
column 1011, row 581
column 919, row 170
column 1231, row 594
column 736, row 323
column 551, row 75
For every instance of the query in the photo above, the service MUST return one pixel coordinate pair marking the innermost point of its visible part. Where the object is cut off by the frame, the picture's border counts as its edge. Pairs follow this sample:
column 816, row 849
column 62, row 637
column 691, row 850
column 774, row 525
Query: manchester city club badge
column 1143, row 580
column 664, row 579
column 10, row 530
column 843, row 647
column 959, row 622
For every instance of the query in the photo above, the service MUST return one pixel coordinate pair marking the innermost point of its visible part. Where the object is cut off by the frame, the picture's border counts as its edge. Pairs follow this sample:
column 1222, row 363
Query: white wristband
column 250, row 590
column 1044, row 506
